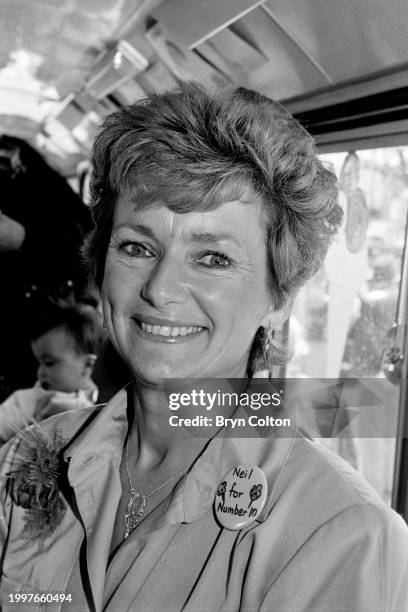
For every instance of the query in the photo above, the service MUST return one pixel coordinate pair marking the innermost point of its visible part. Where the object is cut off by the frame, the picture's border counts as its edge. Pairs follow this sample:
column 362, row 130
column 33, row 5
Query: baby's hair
column 79, row 322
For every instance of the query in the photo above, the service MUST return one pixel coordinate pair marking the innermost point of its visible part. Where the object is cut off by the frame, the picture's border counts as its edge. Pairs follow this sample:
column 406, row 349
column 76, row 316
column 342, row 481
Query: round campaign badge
column 241, row 496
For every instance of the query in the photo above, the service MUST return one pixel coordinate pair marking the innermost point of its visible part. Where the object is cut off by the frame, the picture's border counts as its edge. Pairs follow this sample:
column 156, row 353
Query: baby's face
column 60, row 366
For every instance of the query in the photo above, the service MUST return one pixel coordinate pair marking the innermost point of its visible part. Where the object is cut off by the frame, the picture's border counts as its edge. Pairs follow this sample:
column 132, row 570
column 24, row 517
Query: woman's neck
column 154, row 440
column 159, row 430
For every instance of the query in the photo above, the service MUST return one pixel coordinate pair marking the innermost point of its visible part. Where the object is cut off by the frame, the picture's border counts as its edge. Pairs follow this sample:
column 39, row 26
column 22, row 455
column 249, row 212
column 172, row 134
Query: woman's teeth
column 169, row 331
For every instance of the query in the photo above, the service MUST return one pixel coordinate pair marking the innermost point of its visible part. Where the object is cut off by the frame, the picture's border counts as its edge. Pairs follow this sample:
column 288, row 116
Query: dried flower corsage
column 33, row 481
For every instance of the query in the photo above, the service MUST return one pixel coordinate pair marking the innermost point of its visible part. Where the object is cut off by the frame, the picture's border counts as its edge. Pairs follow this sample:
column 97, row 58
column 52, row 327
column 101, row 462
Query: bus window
column 341, row 323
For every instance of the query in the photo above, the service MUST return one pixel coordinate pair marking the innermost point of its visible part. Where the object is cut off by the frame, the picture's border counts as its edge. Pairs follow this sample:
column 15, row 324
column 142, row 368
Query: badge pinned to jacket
column 240, row 497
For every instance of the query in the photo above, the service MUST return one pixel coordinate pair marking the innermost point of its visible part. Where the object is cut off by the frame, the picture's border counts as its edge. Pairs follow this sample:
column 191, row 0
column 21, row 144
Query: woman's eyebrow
column 197, row 236
column 138, row 227
column 213, row 237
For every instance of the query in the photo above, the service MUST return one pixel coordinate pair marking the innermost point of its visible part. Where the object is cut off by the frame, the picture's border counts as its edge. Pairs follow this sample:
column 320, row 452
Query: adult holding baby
column 210, row 212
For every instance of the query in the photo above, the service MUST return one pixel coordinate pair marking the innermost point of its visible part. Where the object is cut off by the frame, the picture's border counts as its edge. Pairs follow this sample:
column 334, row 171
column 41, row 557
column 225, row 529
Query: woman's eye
column 215, row 260
column 135, row 249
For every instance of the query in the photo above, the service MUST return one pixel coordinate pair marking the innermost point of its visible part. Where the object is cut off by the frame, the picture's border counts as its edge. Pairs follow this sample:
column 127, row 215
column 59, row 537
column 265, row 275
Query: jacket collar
column 101, row 441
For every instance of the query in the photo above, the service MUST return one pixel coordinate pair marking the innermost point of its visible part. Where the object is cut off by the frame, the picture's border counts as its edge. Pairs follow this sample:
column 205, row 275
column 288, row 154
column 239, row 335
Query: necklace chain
column 133, row 515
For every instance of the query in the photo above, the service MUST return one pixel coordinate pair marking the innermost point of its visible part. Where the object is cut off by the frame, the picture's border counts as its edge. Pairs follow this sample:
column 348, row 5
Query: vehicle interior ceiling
column 339, row 66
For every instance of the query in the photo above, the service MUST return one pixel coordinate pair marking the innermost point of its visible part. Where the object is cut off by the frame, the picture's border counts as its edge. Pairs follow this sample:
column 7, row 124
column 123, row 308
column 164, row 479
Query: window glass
column 341, row 322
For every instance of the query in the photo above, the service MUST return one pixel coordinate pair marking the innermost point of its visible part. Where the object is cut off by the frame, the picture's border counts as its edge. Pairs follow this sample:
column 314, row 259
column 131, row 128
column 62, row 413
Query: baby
column 65, row 343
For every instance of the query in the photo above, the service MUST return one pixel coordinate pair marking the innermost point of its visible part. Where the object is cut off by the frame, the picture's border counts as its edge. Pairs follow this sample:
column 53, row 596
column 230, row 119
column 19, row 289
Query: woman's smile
column 159, row 330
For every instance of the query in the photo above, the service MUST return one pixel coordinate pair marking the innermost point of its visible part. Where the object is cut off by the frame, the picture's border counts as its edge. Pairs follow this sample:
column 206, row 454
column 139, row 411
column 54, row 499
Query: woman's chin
column 155, row 376
column 153, row 369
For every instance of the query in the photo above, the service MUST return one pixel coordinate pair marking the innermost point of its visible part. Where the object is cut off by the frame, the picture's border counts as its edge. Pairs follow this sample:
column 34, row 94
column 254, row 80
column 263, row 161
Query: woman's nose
column 166, row 283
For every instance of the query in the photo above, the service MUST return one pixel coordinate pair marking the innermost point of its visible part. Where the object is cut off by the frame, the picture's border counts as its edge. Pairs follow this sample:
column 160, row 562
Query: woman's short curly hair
column 193, row 150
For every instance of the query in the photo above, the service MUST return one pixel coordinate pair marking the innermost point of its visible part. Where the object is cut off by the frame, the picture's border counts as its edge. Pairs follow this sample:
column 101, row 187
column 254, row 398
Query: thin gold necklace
column 133, row 515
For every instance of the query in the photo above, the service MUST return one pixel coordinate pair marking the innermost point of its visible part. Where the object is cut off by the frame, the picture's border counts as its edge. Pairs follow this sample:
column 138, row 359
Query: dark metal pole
column 400, row 485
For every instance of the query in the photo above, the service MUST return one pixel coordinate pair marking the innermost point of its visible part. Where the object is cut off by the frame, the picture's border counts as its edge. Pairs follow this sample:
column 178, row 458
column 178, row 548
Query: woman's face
column 184, row 294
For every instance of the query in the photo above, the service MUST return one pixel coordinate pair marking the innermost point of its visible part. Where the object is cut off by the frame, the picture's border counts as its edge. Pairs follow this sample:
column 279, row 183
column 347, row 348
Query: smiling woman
column 210, row 212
